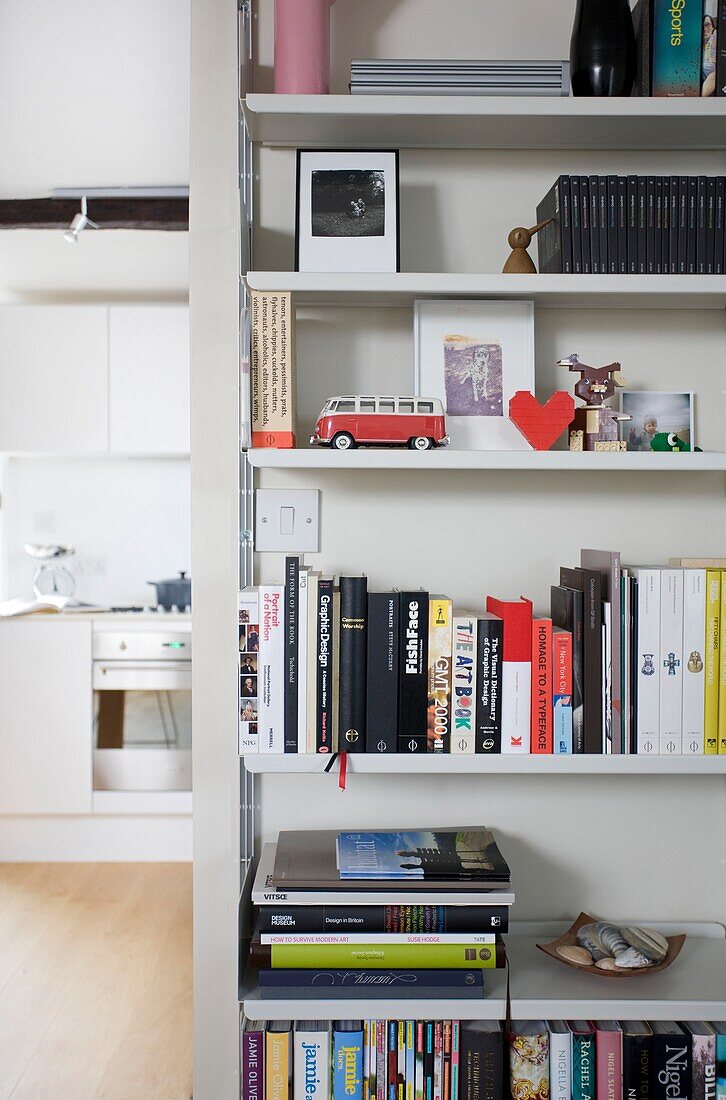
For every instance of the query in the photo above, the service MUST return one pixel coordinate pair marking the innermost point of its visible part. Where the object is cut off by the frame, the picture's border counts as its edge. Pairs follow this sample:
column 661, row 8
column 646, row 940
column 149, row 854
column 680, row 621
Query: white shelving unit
column 691, row 989
column 323, row 458
column 478, row 122
column 369, row 764
column 556, row 291
column 576, row 834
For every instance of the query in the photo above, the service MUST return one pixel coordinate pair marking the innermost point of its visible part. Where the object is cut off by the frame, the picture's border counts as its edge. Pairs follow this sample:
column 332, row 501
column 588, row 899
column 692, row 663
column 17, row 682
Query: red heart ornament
column 541, row 425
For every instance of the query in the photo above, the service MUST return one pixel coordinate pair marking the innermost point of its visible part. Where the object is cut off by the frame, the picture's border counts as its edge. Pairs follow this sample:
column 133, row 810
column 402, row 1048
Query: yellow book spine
column 277, row 1065
column 713, row 616
column 722, row 669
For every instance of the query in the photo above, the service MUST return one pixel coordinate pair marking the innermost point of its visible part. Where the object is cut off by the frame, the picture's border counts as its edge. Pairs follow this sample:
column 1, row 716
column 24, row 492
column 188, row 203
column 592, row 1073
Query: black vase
column 602, row 48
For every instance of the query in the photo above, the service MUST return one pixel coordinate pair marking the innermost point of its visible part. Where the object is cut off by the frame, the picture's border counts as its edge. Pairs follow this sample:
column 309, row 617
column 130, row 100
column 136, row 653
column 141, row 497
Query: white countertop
column 165, row 620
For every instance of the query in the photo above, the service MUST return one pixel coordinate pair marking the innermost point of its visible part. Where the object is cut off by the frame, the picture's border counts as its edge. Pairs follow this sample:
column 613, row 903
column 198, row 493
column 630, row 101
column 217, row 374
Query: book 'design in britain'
column 273, row 370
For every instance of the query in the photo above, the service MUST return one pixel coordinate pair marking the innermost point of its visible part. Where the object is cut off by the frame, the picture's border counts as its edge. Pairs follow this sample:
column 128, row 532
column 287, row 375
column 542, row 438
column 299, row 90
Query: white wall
column 94, row 94
column 128, row 518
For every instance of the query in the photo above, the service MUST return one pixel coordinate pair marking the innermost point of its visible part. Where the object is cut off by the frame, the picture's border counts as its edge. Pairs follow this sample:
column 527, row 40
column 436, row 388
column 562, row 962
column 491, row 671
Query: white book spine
column 463, row 685
column 271, row 669
column 671, row 662
column 516, row 700
column 647, row 660
column 302, row 661
column 311, row 1065
column 694, row 647
column 249, row 633
column 560, row 1065
column 291, row 939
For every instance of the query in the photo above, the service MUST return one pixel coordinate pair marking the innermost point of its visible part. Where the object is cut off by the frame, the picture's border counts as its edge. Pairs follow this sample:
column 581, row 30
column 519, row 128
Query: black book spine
column 594, row 212
column 612, row 224
column 718, row 251
column 576, row 210
column 622, row 225
column 566, row 224
column 379, row 919
column 382, row 672
column 650, row 219
column 292, row 569
column 673, row 220
column 488, row 711
column 602, row 222
column 692, row 237
column 659, row 224
column 589, row 584
column 682, row 225
column 672, row 1066
column 710, row 224
column 585, row 225
column 481, row 1063
column 642, row 215
column 325, row 654
column 632, row 225
column 352, row 663
column 642, row 25
column 392, row 1048
column 413, row 666
column 721, row 49
column 549, row 239
column 637, row 1067
column 701, row 218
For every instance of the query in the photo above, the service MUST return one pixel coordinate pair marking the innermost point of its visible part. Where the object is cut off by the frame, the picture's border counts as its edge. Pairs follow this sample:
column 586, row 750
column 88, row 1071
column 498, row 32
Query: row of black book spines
column 634, row 225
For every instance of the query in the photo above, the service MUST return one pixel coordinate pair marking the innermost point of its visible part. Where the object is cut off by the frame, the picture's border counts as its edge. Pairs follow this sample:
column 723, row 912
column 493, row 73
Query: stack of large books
column 388, row 76
column 411, row 913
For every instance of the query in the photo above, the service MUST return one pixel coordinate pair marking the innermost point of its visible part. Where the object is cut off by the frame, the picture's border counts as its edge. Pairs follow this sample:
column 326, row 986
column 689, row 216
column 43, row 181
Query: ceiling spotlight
column 80, row 222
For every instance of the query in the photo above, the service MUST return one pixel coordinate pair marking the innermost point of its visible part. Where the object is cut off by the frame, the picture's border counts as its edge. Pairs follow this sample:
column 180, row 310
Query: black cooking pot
column 176, row 593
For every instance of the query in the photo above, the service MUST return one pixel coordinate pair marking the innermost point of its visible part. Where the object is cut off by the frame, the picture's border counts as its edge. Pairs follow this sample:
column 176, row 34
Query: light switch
column 287, row 520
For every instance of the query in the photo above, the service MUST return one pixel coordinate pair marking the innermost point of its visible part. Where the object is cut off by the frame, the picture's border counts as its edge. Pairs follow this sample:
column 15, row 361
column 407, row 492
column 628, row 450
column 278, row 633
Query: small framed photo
column 474, row 356
column 347, row 211
column 660, row 419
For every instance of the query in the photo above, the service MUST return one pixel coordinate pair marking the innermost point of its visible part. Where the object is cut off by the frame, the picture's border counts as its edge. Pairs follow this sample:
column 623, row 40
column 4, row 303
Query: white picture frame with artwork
column 473, row 355
column 657, row 412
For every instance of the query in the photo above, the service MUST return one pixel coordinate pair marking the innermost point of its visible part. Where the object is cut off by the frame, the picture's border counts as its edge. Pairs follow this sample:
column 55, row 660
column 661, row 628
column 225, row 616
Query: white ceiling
column 93, row 94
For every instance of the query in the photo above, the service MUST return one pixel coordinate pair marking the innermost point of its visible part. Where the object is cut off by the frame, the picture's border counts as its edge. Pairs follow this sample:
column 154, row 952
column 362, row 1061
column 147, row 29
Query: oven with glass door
column 142, row 685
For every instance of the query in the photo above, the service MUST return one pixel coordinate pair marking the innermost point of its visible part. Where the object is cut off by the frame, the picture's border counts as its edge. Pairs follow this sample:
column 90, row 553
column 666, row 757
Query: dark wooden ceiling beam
column 170, row 214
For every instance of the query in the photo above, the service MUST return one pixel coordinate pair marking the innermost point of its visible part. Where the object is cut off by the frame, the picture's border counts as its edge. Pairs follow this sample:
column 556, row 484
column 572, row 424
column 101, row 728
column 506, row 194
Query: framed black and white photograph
column 660, row 421
column 347, row 211
column 474, row 356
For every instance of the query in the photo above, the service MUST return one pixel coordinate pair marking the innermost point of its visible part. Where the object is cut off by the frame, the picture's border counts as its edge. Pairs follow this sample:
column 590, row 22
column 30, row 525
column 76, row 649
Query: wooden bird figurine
column 520, row 262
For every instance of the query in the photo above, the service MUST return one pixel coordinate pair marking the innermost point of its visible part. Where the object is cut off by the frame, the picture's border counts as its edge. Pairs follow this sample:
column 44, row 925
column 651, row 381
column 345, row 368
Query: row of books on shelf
column 482, row 1060
column 633, row 225
column 434, row 902
column 627, row 660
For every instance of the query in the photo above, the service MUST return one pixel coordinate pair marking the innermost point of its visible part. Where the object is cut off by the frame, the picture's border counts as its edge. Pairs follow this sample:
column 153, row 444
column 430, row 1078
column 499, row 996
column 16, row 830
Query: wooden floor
column 95, row 981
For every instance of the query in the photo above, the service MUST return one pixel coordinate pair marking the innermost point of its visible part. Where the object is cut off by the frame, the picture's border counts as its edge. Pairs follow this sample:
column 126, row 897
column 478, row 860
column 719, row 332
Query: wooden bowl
column 569, row 938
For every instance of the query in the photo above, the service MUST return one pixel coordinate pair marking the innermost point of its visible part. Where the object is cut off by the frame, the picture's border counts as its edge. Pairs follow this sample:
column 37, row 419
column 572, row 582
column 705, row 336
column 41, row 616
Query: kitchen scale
column 51, row 577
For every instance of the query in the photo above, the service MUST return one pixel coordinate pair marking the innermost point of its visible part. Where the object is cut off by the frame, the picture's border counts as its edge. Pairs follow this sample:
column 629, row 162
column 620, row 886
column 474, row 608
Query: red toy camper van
column 346, row 422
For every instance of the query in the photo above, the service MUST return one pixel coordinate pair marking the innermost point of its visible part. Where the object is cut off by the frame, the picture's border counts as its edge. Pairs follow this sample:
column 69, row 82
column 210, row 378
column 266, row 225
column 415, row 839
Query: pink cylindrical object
column 302, row 47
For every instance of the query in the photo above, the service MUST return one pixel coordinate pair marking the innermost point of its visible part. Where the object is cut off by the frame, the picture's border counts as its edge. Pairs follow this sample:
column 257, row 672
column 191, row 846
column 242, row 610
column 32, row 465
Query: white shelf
column 693, row 988
column 557, row 291
column 143, row 803
column 485, row 122
column 323, row 458
column 446, row 764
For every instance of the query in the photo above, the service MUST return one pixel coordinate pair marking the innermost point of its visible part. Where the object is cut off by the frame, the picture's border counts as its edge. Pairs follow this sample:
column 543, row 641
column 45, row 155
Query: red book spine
column 608, row 1062
column 541, row 686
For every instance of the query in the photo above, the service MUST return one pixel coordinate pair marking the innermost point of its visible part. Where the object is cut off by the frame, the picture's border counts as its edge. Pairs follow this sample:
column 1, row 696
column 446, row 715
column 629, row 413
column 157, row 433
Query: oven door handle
column 142, row 675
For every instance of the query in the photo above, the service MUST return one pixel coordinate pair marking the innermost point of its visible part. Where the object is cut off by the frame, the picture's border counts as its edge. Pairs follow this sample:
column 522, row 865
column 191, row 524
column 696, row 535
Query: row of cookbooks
column 419, row 913
column 626, row 659
column 482, row 1060
column 633, row 225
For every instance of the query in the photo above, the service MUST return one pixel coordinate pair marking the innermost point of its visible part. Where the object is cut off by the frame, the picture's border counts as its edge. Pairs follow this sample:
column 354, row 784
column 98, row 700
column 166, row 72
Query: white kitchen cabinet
column 148, row 379
column 53, row 379
column 46, row 717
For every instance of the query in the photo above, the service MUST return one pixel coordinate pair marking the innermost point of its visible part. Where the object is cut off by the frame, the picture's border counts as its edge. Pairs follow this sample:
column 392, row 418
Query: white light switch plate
column 287, row 520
